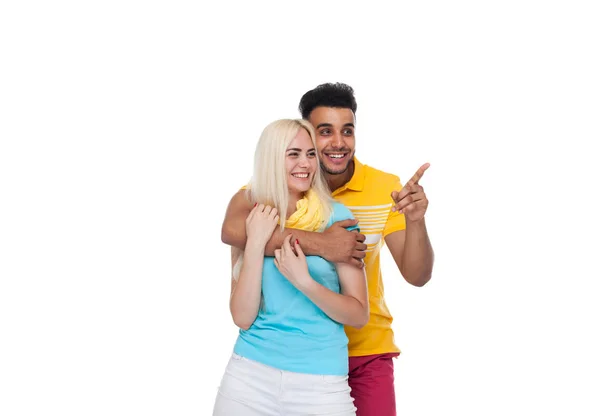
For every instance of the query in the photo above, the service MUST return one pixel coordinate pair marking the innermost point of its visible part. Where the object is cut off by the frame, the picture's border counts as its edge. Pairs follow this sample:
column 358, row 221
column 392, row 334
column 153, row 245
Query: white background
column 126, row 126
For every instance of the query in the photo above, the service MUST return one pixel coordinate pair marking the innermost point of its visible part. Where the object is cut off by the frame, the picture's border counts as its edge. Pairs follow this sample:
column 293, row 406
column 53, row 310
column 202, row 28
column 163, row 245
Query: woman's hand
column 260, row 224
column 291, row 262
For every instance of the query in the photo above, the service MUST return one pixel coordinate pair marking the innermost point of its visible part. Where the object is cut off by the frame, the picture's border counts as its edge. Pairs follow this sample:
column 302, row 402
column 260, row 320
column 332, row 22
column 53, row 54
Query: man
column 385, row 211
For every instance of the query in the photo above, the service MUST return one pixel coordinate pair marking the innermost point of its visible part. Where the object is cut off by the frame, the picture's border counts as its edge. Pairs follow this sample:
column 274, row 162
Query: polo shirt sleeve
column 340, row 213
column 395, row 221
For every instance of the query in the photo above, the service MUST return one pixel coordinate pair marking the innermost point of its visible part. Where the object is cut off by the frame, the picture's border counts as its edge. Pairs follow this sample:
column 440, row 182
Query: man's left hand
column 411, row 200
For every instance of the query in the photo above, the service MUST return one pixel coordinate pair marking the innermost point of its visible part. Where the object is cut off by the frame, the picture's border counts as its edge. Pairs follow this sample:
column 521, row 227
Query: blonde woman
column 291, row 356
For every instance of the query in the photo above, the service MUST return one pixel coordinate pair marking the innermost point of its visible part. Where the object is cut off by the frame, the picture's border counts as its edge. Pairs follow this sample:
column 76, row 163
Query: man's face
column 335, row 137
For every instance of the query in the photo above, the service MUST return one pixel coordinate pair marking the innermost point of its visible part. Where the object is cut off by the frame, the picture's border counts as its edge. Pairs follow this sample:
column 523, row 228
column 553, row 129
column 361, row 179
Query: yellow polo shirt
column 367, row 195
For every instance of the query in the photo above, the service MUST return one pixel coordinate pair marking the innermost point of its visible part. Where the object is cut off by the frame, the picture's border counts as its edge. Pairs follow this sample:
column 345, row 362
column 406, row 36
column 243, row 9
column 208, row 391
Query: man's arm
column 233, row 231
column 411, row 248
column 335, row 244
column 412, row 252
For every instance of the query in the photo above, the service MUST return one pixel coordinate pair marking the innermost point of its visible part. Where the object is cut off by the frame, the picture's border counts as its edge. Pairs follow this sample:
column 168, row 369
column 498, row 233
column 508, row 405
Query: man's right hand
column 343, row 246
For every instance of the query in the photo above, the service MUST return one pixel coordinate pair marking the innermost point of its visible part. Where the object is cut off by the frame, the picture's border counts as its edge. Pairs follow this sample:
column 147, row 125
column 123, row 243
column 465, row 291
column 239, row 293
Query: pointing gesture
column 411, row 200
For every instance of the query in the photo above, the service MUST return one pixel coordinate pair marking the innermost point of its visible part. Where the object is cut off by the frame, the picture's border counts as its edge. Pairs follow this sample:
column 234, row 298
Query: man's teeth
column 300, row 175
column 336, row 156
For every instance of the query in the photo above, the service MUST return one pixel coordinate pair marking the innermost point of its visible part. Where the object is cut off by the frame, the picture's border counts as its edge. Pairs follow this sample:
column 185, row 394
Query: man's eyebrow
column 331, row 125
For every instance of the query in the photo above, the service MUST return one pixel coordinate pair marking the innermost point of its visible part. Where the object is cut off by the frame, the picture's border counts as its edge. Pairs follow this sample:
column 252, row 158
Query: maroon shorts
column 371, row 379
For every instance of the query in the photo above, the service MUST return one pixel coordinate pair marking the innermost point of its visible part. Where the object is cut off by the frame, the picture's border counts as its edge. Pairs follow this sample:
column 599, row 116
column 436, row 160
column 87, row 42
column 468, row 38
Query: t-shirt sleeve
column 340, row 213
column 395, row 221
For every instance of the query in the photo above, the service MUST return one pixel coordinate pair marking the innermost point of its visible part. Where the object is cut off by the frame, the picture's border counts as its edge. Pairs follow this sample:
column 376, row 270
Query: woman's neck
column 292, row 201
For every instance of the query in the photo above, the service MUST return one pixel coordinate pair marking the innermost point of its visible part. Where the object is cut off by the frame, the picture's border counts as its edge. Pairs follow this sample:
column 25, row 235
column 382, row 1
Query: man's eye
column 325, row 132
column 348, row 132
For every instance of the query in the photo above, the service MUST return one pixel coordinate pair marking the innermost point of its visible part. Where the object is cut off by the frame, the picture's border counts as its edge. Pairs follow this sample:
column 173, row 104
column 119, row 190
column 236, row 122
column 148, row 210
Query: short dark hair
column 336, row 95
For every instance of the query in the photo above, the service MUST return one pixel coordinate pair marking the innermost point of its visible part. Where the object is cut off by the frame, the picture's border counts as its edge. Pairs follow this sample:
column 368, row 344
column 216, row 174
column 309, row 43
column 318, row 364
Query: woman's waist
column 296, row 352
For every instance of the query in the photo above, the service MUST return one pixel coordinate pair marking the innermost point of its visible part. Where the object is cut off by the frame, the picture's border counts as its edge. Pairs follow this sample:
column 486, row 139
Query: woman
column 291, row 355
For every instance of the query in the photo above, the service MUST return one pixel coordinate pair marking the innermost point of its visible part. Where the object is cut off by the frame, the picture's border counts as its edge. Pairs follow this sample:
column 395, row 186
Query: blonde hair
column 269, row 181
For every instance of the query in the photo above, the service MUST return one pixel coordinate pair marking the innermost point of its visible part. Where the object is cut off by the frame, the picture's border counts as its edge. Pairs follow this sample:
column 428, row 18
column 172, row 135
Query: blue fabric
column 290, row 332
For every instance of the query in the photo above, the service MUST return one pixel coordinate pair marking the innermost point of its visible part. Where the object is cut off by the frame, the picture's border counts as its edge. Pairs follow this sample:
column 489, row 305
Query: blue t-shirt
column 290, row 332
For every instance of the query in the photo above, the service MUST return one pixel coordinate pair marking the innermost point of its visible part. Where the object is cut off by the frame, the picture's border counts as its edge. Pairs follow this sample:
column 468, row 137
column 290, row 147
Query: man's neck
column 337, row 181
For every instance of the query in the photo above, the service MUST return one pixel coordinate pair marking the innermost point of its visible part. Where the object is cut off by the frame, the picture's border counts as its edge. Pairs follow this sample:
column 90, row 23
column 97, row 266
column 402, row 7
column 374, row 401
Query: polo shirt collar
column 357, row 181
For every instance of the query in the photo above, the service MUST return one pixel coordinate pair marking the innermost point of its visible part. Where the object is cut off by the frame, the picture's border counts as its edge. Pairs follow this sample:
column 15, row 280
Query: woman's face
column 300, row 163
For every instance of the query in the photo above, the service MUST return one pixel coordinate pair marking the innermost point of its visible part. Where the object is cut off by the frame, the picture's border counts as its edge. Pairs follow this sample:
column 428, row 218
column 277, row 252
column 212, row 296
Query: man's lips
column 337, row 157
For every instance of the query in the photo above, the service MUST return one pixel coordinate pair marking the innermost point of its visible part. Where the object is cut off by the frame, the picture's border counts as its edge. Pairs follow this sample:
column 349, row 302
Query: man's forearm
column 234, row 234
column 312, row 242
column 417, row 259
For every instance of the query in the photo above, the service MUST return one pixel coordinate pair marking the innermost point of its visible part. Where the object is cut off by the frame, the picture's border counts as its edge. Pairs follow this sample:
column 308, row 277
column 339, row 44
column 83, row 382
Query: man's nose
column 337, row 141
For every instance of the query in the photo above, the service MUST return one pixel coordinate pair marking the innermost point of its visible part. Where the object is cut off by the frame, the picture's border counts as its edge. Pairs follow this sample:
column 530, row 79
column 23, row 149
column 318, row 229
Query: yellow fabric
column 367, row 195
column 308, row 215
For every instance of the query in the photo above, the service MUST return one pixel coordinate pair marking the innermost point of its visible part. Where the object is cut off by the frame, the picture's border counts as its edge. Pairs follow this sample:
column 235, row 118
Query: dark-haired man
column 386, row 211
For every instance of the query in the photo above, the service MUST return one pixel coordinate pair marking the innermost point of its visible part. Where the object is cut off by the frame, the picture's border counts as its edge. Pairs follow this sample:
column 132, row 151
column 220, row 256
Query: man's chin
column 334, row 170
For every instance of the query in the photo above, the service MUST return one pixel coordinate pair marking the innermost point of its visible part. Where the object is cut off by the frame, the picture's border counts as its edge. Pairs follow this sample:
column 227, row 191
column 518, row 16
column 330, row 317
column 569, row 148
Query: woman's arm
column 246, row 289
column 351, row 307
